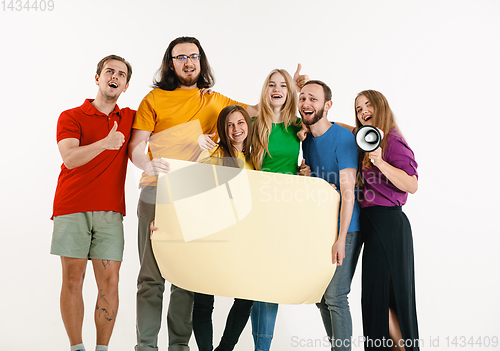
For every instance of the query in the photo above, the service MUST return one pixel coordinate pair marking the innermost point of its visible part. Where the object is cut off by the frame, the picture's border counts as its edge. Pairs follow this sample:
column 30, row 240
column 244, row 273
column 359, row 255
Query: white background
column 435, row 61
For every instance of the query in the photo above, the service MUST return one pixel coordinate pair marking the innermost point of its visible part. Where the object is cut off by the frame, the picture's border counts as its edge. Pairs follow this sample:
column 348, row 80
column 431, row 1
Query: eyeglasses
column 183, row 58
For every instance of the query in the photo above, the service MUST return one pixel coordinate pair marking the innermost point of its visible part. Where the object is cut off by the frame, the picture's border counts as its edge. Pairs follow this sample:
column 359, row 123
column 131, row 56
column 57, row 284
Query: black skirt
column 388, row 278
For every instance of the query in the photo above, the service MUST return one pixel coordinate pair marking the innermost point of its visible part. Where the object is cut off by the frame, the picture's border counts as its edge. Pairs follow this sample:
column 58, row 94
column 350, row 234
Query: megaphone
column 368, row 138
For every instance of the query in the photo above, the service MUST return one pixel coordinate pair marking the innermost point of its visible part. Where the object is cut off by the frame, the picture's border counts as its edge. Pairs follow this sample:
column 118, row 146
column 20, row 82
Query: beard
column 314, row 119
column 188, row 81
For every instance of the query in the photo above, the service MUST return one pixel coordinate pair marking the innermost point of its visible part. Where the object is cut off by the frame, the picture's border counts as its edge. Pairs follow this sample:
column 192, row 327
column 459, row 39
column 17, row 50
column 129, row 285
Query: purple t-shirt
column 378, row 190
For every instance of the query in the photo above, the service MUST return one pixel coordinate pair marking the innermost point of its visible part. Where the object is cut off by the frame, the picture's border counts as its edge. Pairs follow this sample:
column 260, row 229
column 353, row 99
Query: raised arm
column 74, row 155
column 252, row 110
column 136, row 153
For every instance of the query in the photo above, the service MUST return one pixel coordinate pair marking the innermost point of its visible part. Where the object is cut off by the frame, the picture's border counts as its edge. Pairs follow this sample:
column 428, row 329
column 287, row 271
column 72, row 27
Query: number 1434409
column 27, row 5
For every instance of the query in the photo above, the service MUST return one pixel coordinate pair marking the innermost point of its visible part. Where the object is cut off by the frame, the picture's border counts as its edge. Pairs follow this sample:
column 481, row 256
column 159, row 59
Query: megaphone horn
column 368, row 138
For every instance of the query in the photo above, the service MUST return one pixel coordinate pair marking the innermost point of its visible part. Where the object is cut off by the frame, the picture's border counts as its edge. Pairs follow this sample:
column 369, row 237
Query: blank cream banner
column 248, row 234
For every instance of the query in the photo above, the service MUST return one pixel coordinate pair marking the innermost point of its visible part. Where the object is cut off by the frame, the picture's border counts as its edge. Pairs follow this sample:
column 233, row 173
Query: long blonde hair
column 263, row 122
column 383, row 118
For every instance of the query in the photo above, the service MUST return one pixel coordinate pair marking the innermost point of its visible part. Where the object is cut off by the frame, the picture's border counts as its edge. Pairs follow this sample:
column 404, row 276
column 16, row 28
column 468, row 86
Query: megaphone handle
column 376, row 154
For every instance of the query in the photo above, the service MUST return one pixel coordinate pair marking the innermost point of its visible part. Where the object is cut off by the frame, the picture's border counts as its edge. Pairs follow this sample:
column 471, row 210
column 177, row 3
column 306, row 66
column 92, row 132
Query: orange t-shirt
column 176, row 119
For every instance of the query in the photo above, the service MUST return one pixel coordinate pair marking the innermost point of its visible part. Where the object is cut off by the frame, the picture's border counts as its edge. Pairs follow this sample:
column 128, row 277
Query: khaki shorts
column 92, row 235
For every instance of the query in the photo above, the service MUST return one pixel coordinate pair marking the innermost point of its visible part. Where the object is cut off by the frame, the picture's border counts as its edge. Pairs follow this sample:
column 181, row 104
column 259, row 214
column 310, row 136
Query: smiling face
column 312, row 104
column 189, row 71
column 364, row 111
column 237, row 130
column 113, row 79
column 277, row 90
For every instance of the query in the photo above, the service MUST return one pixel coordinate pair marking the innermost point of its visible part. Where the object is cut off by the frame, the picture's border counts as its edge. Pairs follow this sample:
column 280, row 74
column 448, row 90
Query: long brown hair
column 263, row 122
column 382, row 118
column 166, row 78
column 227, row 151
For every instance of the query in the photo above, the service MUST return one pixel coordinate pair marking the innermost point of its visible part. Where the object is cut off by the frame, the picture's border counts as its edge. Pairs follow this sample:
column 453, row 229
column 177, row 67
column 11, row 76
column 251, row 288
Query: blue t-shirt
column 327, row 155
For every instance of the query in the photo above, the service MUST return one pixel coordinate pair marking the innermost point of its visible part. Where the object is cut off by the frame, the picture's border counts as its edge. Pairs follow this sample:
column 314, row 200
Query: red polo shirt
column 98, row 185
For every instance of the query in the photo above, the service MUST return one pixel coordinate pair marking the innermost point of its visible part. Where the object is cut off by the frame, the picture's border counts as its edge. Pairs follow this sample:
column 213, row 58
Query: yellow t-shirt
column 215, row 157
column 176, row 119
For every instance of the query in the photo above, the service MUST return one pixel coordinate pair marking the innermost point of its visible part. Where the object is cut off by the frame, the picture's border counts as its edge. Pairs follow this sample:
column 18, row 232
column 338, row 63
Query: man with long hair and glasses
column 176, row 118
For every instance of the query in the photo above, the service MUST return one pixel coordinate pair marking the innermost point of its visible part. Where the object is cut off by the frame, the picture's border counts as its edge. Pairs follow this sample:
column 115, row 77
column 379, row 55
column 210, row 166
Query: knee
column 336, row 302
column 109, row 284
column 73, row 280
column 150, row 286
column 262, row 342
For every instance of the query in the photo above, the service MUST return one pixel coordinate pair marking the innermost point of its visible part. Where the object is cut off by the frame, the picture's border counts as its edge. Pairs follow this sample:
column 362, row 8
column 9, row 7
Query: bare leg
column 395, row 331
column 106, row 276
column 73, row 271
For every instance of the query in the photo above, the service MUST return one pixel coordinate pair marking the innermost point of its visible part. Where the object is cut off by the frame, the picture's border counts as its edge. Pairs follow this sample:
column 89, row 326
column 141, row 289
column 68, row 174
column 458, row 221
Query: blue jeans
column 263, row 317
column 334, row 306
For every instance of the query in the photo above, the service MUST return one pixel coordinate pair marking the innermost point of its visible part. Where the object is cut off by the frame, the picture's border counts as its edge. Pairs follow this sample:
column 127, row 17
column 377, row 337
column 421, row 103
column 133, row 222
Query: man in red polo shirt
column 89, row 203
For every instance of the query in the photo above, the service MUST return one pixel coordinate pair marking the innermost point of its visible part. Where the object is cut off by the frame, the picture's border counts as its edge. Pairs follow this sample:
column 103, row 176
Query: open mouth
column 308, row 112
column 113, row 85
column 367, row 118
column 276, row 96
column 237, row 135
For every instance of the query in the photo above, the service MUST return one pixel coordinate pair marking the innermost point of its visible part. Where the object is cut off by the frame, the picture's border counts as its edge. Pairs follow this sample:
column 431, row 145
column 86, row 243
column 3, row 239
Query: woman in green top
column 275, row 148
column 275, row 145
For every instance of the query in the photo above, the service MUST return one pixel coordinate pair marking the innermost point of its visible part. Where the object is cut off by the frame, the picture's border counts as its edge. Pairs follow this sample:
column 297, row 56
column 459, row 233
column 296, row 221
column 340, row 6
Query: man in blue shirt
column 331, row 153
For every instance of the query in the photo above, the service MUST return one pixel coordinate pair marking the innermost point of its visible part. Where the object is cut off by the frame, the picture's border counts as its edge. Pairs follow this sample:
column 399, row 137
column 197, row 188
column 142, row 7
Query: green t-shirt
column 284, row 147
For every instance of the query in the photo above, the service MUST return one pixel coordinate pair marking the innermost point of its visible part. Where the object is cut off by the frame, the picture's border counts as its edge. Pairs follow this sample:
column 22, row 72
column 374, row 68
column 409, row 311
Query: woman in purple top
column 388, row 174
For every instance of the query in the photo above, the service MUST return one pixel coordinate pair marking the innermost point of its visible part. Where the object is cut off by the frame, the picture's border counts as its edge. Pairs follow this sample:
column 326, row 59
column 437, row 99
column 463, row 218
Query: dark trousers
column 202, row 322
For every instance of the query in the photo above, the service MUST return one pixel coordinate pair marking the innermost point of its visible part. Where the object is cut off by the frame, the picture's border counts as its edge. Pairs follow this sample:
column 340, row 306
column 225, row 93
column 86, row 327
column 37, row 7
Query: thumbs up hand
column 114, row 140
column 299, row 79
